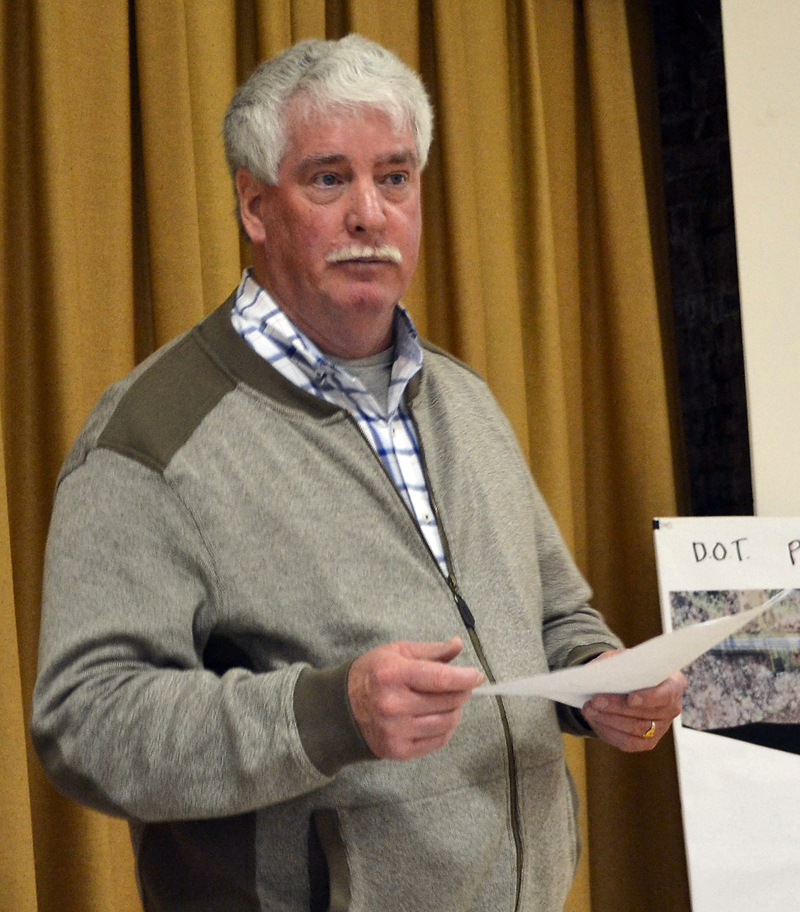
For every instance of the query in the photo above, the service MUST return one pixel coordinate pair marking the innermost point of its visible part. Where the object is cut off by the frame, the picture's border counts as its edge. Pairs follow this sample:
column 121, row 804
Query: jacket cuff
column 570, row 718
column 328, row 731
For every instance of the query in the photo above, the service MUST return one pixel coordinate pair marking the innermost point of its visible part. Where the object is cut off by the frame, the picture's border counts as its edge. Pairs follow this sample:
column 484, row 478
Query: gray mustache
column 358, row 252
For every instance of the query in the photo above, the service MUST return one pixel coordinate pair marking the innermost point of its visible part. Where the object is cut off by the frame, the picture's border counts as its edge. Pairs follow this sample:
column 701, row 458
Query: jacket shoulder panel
column 166, row 403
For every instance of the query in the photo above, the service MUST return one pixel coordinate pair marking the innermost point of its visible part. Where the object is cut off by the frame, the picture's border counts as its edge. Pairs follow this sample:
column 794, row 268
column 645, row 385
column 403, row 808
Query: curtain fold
column 633, row 477
column 16, row 832
column 66, row 210
column 542, row 267
column 185, row 54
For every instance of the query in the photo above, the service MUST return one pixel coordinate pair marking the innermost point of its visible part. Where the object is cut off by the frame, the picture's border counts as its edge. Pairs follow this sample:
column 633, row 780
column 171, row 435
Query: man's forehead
column 335, row 135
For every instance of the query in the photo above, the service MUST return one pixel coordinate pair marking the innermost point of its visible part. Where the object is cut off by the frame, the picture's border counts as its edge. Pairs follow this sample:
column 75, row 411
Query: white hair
column 347, row 74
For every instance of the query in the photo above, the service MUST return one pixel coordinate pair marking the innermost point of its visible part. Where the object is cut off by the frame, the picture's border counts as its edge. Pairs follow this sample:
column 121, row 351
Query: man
column 287, row 548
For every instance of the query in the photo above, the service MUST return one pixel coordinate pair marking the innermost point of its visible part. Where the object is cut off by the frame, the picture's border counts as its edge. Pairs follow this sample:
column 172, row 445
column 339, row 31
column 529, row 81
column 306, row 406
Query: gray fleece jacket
column 222, row 546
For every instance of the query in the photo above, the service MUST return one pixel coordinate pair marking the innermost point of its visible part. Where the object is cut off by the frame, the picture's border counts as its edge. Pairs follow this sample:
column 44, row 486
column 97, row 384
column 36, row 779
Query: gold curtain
column 543, row 267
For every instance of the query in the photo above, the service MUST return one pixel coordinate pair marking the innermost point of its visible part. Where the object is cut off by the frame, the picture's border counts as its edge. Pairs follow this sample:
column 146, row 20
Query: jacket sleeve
column 125, row 717
column 572, row 631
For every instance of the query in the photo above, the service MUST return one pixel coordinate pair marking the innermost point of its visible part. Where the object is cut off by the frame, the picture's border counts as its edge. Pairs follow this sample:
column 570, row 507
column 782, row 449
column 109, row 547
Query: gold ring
column 650, row 731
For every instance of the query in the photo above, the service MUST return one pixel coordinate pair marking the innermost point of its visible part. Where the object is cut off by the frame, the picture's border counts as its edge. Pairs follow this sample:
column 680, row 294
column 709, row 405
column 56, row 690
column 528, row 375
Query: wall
column 762, row 63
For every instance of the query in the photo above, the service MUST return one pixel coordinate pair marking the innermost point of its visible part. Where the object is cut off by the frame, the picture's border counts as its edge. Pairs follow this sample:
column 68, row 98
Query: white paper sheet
column 634, row 669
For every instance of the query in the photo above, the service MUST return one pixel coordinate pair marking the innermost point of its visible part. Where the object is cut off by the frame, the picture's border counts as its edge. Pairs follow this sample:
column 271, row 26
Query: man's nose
column 366, row 213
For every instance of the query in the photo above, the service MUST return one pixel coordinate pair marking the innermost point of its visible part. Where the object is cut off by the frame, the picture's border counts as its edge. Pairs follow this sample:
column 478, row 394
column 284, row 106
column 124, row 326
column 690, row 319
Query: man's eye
column 396, row 178
column 326, row 180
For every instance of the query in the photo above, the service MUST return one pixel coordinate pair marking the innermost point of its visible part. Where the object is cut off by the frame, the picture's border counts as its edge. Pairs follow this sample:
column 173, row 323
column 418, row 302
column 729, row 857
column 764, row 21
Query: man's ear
column 251, row 192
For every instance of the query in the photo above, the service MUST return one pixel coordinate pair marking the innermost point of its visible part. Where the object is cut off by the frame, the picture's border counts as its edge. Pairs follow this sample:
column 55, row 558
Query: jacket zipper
column 469, row 623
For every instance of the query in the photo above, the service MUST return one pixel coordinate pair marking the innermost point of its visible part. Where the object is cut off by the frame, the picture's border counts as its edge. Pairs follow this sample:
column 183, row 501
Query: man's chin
column 368, row 305
column 367, row 297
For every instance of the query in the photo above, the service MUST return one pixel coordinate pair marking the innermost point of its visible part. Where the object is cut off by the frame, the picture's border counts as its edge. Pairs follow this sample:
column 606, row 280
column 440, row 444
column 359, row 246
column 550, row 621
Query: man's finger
column 666, row 694
column 423, row 703
column 618, row 705
column 635, row 742
column 628, row 725
column 437, row 678
column 431, row 652
column 664, row 701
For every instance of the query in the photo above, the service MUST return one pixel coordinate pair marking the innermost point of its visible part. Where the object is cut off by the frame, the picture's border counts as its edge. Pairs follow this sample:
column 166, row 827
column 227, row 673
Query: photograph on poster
column 751, row 679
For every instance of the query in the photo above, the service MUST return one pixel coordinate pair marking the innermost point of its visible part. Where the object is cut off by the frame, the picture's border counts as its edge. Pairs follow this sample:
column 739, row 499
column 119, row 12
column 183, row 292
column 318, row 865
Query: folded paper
column 643, row 666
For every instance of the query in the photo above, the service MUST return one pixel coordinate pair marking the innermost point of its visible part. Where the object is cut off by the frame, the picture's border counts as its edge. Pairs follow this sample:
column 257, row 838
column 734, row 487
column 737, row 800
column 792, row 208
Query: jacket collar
column 237, row 359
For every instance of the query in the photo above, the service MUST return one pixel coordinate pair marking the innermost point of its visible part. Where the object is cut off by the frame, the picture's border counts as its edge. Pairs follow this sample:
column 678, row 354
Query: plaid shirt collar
column 262, row 323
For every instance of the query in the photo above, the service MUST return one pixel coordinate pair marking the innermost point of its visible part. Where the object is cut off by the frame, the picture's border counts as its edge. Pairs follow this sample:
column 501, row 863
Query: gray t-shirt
column 374, row 371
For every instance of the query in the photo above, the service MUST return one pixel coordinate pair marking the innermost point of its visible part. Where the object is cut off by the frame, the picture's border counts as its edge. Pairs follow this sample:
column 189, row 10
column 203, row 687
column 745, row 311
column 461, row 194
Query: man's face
column 336, row 241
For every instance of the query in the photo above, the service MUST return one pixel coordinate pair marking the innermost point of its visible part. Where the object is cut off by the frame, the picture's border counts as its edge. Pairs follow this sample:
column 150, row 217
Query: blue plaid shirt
column 391, row 434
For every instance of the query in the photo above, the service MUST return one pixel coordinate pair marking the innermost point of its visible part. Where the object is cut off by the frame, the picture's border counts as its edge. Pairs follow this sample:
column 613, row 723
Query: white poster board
column 740, row 801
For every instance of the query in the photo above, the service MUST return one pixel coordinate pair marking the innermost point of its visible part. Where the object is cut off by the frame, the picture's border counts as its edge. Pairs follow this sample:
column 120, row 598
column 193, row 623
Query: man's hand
column 407, row 699
column 636, row 721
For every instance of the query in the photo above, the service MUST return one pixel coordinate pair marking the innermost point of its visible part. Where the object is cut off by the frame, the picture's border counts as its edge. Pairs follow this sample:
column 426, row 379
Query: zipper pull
column 466, row 614
column 463, row 608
